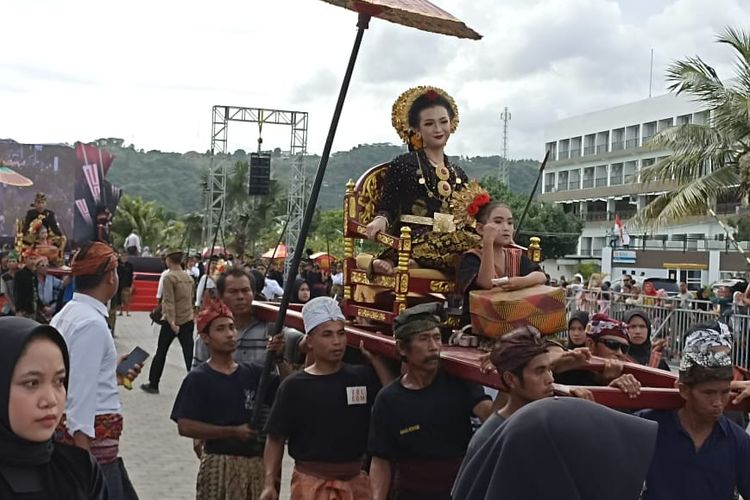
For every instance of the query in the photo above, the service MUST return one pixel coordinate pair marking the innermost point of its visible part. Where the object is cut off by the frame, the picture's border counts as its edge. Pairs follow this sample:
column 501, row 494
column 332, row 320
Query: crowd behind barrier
column 671, row 317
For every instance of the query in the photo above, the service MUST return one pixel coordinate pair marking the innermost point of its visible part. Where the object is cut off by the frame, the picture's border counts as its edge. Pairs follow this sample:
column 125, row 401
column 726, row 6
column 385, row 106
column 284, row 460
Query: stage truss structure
column 216, row 187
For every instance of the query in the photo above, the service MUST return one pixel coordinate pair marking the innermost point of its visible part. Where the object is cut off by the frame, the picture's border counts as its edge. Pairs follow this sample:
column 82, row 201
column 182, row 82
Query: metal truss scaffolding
column 216, row 187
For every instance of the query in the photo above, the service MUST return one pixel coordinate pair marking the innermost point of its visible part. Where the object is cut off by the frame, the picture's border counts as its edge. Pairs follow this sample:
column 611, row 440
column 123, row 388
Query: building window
column 618, row 139
column 575, row 147
column 684, row 120
column 601, row 176
column 632, row 139
column 562, row 181
column 664, row 124
column 549, row 182
column 574, row 181
column 630, row 172
column 589, row 144
column 615, row 174
column 588, row 177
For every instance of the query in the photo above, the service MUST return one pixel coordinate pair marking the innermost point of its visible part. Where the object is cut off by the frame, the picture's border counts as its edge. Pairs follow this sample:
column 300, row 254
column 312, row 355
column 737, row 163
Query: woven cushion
column 494, row 313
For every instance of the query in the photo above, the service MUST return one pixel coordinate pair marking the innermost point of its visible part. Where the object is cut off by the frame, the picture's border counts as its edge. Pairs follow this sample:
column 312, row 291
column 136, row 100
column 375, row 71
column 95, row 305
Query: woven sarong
column 106, row 445
column 307, row 487
column 226, row 477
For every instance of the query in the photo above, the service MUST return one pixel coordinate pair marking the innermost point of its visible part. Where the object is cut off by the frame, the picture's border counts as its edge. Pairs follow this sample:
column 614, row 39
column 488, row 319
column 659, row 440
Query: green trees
column 559, row 231
column 711, row 160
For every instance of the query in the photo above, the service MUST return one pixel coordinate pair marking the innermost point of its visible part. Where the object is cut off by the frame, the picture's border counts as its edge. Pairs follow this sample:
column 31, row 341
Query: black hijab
column 583, row 318
column 566, row 449
column 642, row 352
column 295, row 290
column 15, row 334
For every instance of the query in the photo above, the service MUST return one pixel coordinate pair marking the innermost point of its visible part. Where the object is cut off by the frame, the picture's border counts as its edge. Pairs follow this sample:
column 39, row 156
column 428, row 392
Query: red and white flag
column 621, row 232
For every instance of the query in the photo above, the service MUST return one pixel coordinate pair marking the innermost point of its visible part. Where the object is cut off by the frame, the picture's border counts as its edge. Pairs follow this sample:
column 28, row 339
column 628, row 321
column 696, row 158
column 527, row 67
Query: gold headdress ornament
column 467, row 203
column 402, row 106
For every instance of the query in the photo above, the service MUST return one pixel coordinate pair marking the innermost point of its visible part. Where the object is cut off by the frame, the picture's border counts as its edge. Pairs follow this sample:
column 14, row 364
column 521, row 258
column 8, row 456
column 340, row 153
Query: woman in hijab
column 562, row 449
column 641, row 350
column 34, row 369
column 577, row 329
column 301, row 291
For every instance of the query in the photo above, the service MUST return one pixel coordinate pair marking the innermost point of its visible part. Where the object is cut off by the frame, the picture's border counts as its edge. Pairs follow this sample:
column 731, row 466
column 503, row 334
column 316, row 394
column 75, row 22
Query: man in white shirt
column 133, row 243
column 93, row 419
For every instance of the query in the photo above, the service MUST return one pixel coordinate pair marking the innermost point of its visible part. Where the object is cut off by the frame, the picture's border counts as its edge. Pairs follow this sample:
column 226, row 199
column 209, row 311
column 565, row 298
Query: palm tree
column 144, row 216
column 707, row 161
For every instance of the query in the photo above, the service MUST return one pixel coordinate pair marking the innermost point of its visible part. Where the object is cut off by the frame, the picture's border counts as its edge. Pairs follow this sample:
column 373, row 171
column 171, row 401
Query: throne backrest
column 367, row 192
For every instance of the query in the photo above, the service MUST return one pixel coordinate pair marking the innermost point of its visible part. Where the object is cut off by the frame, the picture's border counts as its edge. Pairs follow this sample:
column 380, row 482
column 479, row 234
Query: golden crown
column 402, row 106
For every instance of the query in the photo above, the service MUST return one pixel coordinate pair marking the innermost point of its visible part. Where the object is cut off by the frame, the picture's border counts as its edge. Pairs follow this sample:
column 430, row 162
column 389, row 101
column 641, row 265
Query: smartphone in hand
column 136, row 357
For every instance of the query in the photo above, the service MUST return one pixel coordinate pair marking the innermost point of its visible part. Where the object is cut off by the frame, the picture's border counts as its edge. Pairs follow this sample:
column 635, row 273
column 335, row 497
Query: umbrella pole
column 260, row 393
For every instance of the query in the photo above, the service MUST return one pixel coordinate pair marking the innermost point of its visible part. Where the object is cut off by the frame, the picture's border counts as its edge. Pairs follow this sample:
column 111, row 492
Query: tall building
column 594, row 173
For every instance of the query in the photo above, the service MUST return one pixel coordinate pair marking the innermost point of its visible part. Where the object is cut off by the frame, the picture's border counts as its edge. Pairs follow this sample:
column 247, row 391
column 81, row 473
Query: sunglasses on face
column 614, row 345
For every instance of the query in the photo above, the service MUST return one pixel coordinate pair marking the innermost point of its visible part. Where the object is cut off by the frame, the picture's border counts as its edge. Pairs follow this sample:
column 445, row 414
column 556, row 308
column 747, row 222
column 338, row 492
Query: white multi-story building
column 593, row 172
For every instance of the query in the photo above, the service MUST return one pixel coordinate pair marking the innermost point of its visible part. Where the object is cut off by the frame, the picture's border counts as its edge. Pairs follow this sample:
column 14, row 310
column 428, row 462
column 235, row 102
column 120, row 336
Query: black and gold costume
column 48, row 221
column 420, row 195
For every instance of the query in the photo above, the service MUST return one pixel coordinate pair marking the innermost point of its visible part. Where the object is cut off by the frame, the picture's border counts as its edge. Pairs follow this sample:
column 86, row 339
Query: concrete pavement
column 161, row 464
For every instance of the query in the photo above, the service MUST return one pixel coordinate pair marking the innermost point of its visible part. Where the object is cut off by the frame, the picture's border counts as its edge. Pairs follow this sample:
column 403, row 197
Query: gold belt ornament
column 441, row 223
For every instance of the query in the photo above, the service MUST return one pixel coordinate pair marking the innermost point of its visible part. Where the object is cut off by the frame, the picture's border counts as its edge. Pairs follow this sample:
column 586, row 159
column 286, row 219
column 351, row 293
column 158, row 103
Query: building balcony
column 575, row 153
column 618, row 145
column 731, row 208
column 588, row 150
column 601, row 182
column 601, row 148
column 588, row 191
column 562, row 155
column 631, row 143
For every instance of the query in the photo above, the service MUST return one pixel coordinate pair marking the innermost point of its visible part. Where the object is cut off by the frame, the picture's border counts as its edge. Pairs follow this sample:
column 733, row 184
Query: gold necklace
column 444, row 188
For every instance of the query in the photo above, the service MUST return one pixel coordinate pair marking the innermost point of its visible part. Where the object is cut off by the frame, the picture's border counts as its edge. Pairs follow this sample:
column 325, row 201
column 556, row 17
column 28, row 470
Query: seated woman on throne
column 41, row 232
column 419, row 186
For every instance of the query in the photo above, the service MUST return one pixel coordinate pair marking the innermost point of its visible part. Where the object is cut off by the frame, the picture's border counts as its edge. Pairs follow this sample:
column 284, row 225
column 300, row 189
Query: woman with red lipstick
column 34, row 369
column 419, row 186
column 497, row 258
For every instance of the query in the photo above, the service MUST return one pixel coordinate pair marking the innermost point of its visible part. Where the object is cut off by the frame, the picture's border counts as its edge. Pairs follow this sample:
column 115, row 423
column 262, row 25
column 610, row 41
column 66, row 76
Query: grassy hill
column 176, row 180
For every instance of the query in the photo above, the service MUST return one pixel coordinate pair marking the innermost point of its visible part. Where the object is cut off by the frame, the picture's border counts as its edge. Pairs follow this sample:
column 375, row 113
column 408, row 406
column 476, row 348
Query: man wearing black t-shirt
column 324, row 414
column 421, row 423
column 215, row 405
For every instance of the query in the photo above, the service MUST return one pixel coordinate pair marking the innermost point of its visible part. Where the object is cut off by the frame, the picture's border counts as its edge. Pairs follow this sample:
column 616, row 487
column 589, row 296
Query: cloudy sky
column 149, row 72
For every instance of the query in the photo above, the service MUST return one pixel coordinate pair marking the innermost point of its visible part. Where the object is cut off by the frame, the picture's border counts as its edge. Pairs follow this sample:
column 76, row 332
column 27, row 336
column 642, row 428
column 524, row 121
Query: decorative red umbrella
column 419, row 14
column 12, row 178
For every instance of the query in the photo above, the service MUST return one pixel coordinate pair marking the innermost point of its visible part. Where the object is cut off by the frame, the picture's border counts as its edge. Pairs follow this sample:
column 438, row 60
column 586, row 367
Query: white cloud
column 150, row 72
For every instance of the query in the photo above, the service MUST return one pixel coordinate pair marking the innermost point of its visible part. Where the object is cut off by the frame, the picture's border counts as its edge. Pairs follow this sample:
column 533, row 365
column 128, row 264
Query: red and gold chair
column 381, row 298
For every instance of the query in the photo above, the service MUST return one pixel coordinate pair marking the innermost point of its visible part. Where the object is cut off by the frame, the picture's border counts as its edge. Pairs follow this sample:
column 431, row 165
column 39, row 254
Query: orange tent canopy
column 280, row 253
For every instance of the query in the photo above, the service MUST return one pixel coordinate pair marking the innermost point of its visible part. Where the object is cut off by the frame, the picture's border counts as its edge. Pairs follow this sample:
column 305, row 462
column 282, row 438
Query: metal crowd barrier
column 671, row 318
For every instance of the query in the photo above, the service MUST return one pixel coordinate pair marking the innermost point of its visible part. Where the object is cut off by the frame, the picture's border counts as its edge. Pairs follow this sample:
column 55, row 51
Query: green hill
column 176, row 180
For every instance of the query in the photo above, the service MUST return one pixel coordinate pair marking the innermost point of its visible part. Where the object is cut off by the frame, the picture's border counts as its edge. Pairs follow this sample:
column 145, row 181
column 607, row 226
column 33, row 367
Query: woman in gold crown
column 422, row 188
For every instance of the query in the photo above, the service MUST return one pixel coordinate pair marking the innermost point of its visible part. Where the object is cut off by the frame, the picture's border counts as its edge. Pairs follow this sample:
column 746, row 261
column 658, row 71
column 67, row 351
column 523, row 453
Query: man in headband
column 421, row 423
column 215, row 405
column 524, row 362
column 93, row 419
column 700, row 453
column 605, row 338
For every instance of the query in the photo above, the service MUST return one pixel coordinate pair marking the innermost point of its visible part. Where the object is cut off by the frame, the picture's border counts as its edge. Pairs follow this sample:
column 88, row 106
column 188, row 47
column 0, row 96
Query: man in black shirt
column 125, row 273
column 324, row 414
column 215, row 405
column 25, row 291
column 421, row 423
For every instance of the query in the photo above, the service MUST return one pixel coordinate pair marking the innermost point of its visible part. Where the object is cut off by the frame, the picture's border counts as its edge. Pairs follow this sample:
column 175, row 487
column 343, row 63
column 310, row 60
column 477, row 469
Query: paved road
column 161, row 464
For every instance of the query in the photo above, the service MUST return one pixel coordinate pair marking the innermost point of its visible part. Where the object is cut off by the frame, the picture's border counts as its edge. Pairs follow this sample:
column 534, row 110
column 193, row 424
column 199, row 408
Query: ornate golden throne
column 375, row 297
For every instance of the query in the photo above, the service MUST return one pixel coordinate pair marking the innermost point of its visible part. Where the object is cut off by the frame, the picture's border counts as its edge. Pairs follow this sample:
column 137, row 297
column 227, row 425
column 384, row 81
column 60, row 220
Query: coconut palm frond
column 691, row 138
column 693, row 76
column 693, row 198
column 738, row 39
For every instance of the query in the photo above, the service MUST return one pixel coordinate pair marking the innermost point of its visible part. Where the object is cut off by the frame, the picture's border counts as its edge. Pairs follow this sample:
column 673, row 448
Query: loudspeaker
column 260, row 174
